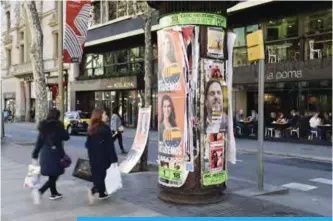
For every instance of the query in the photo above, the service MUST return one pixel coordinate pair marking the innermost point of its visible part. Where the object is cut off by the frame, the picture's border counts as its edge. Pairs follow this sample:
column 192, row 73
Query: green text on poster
column 169, row 174
column 194, row 18
column 214, row 178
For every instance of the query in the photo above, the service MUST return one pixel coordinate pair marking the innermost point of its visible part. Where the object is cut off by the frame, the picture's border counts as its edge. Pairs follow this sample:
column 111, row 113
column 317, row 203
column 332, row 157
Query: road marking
column 239, row 160
column 299, row 186
column 322, row 180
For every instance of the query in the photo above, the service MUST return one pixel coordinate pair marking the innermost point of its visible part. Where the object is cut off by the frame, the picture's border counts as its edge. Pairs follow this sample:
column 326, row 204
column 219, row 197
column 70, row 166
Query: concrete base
column 268, row 190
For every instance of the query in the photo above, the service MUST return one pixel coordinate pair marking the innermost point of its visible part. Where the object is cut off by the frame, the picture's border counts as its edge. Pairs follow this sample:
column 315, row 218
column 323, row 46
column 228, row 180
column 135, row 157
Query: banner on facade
column 76, row 28
column 140, row 141
column 172, row 108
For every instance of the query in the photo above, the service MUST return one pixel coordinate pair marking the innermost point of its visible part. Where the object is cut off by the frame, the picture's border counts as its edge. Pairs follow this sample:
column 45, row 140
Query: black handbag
column 82, row 170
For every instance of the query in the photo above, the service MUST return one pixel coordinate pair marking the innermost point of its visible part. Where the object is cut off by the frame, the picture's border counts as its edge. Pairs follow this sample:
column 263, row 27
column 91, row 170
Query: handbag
column 113, row 181
column 121, row 129
column 82, row 170
column 66, row 161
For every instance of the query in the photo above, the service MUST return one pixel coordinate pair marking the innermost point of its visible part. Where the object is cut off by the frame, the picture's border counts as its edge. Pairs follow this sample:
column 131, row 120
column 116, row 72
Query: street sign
column 255, row 46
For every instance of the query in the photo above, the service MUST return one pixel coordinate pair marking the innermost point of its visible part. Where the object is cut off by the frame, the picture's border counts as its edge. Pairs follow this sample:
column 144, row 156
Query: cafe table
column 326, row 129
column 280, row 126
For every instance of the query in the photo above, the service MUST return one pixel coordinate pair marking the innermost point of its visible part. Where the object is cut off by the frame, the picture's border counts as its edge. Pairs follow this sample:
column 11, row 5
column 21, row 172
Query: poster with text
column 171, row 108
column 215, row 42
column 140, row 141
column 76, row 28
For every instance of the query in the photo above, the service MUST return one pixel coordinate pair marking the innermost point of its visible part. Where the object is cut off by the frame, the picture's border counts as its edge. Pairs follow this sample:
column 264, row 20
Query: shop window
column 283, row 51
column 281, row 29
column 137, row 54
column 318, row 22
column 240, row 40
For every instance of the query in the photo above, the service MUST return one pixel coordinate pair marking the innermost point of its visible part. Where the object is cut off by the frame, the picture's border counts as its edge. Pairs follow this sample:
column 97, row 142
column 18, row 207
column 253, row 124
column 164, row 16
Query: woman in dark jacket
column 50, row 149
column 101, row 152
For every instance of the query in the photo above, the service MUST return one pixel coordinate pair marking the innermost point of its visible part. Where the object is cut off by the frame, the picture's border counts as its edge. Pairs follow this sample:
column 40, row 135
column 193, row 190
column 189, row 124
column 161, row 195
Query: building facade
column 18, row 94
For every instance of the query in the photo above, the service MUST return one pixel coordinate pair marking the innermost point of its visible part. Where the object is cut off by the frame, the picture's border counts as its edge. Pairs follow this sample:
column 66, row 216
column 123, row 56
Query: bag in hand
column 66, row 161
column 32, row 180
column 113, row 181
column 82, row 170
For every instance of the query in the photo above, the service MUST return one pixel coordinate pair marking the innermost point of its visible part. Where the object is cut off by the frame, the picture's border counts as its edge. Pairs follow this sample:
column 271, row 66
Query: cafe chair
column 239, row 130
column 313, row 133
column 314, row 51
column 295, row 131
column 272, row 57
column 269, row 132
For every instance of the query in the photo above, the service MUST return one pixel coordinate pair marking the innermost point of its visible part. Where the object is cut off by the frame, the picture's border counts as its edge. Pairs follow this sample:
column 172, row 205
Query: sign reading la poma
column 284, row 75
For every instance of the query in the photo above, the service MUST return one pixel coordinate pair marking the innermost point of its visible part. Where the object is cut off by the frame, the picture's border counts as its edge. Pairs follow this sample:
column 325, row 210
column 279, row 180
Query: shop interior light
column 319, row 20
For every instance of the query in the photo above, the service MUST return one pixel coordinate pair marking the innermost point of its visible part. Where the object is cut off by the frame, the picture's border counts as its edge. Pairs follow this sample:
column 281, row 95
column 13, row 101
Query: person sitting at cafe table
column 239, row 119
column 253, row 119
column 293, row 121
column 280, row 118
column 315, row 121
column 327, row 118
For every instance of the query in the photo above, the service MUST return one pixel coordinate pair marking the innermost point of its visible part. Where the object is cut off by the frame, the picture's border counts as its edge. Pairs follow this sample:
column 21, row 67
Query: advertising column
column 194, row 104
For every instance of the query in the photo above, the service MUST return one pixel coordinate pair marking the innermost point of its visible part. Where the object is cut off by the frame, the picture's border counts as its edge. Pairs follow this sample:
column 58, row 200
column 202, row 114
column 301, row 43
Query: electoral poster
column 140, row 141
column 76, row 28
column 172, row 106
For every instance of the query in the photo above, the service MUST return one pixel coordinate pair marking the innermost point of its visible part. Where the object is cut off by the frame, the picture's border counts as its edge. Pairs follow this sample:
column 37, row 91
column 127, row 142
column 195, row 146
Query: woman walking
column 101, row 152
column 116, row 128
column 49, row 148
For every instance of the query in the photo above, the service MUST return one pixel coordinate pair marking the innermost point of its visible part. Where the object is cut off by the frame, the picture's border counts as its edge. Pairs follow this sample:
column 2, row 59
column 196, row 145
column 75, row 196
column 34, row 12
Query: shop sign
column 122, row 85
column 193, row 18
column 284, row 75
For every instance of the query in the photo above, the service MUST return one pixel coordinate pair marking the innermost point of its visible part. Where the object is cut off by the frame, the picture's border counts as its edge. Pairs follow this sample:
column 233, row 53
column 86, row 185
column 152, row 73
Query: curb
column 298, row 156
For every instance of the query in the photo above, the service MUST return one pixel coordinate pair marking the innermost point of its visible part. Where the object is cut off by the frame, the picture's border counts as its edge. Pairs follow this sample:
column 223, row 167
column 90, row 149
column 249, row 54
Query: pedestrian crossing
column 313, row 184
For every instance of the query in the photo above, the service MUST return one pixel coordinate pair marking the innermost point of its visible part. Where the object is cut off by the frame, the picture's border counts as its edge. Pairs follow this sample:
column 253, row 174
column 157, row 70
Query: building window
column 240, row 49
column 22, row 54
column 97, row 12
column 281, row 29
column 318, row 30
column 22, row 35
column 93, row 65
column 112, row 10
column 9, row 58
column 8, row 20
column 56, row 40
column 288, row 50
column 122, row 8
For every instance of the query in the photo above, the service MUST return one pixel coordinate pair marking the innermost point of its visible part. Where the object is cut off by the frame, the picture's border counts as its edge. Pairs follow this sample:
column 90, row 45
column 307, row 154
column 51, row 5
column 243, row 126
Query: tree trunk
column 148, row 76
column 36, row 55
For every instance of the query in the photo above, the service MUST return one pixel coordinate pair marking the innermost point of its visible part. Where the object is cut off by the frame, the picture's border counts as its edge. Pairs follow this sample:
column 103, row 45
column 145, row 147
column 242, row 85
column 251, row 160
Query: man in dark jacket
column 50, row 148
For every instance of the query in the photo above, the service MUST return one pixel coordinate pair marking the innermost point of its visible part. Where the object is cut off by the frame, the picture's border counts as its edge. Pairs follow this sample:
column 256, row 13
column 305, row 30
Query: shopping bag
column 82, row 170
column 32, row 180
column 113, row 180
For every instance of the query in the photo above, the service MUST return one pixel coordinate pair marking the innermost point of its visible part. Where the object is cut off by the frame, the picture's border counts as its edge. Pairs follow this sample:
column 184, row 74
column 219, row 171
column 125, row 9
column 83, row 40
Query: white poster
column 140, row 141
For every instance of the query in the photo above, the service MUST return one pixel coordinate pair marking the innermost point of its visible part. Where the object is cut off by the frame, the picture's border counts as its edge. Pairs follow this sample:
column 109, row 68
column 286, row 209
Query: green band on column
column 193, row 18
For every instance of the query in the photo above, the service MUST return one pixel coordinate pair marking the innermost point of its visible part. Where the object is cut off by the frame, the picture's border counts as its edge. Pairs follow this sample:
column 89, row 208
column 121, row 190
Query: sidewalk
column 139, row 197
column 139, row 189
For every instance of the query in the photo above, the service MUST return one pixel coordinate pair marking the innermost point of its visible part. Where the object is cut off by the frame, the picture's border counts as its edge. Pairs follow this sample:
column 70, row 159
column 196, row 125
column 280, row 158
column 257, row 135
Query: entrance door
column 127, row 101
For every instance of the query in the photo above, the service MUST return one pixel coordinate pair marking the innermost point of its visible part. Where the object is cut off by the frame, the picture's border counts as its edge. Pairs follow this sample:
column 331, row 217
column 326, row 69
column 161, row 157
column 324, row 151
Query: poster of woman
column 172, row 105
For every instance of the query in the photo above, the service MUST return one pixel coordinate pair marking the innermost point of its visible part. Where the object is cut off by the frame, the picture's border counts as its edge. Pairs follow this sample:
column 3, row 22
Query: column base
column 202, row 197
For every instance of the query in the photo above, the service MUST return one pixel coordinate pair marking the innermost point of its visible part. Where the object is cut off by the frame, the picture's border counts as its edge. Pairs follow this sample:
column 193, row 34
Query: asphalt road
column 310, row 177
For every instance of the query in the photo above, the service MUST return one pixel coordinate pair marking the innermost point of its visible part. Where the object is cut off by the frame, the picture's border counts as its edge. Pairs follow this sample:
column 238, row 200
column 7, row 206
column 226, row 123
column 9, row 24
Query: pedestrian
column 49, row 148
column 117, row 128
column 101, row 152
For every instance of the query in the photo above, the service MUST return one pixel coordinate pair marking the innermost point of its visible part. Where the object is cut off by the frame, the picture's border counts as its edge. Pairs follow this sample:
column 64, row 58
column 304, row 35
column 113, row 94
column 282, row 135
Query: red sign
column 76, row 28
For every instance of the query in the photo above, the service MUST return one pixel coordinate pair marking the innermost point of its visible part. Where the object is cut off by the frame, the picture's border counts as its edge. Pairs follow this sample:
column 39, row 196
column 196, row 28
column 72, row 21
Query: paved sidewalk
column 302, row 151
column 139, row 197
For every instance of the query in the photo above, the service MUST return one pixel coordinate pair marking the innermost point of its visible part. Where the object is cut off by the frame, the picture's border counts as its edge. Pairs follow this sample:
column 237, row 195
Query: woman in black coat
column 50, row 149
column 101, row 152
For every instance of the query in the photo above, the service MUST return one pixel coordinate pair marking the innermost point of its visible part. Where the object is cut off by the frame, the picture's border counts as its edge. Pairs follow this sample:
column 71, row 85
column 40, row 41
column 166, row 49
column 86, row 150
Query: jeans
column 51, row 183
column 319, row 131
column 119, row 136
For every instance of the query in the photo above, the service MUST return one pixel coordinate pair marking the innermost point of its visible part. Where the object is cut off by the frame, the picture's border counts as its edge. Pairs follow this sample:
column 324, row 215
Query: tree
column 142, row 10
column 36, row 55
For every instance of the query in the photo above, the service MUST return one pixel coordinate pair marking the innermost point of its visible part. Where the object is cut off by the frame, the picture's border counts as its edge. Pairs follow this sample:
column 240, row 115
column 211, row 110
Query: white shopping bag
column 113, row 180
column 32, row 180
